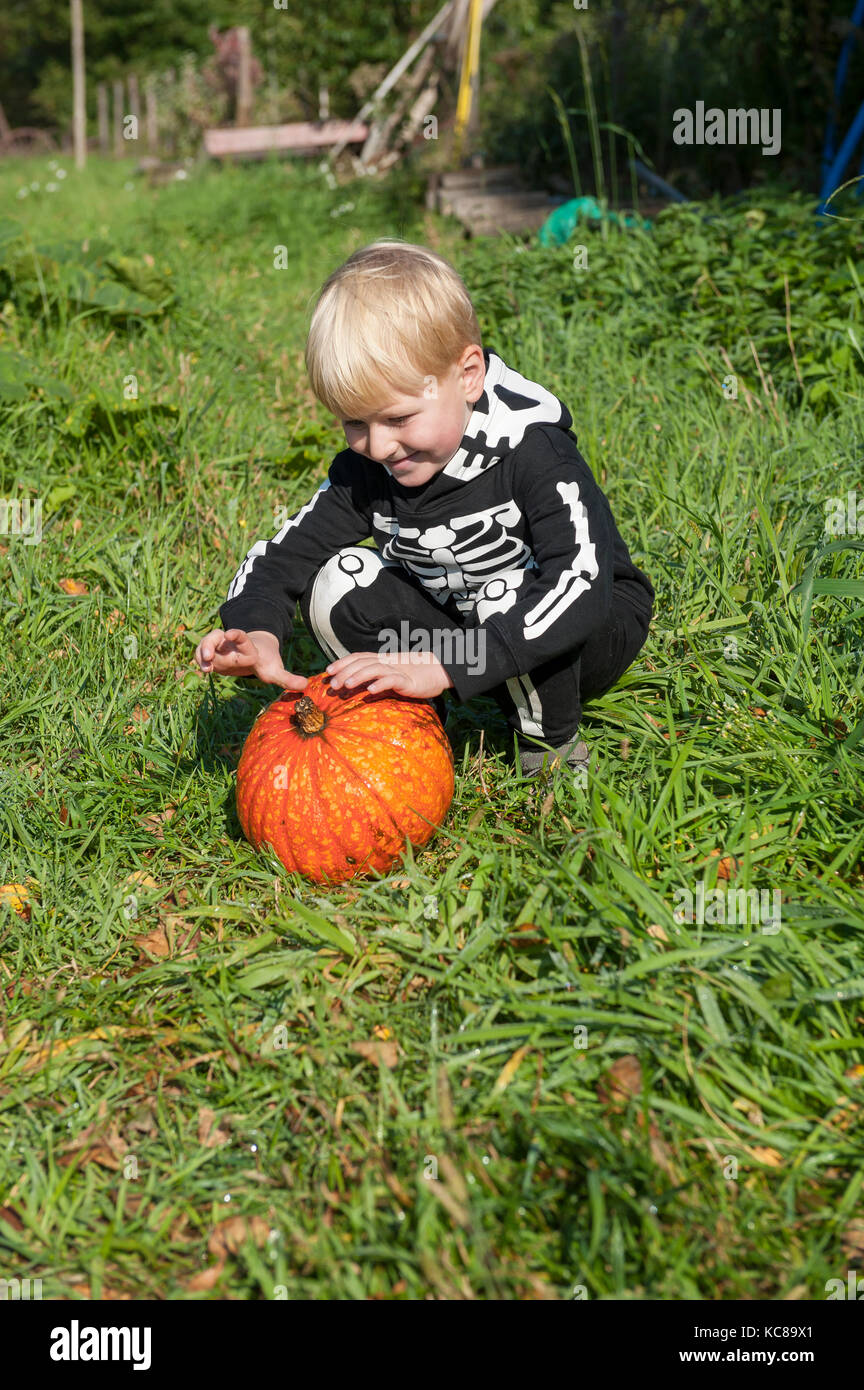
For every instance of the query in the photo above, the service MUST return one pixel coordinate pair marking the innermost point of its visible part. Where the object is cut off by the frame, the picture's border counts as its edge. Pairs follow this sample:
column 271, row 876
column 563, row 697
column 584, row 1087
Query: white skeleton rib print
column 482, row 563
column 459, row 559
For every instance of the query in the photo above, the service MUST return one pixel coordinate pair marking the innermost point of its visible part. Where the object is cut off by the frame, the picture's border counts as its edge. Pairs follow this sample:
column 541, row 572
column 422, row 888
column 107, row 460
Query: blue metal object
column 833, row 165
column 656, row 182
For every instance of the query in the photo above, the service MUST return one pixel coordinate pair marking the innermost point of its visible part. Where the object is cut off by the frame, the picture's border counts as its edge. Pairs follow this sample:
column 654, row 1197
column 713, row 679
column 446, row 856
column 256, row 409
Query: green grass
column 146, row 1099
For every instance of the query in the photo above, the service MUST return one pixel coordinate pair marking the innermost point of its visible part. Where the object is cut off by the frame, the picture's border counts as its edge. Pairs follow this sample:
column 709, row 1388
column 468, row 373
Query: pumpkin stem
column 310, row 718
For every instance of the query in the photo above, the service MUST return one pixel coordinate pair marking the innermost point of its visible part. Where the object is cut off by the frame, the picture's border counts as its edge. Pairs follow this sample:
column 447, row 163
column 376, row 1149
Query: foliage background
column 648, row 57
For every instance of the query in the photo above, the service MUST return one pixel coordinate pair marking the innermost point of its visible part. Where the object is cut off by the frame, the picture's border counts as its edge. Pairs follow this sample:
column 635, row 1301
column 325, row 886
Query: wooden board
column 516, row 220
column 490, row 204
column 297, row 136
column 480, row 178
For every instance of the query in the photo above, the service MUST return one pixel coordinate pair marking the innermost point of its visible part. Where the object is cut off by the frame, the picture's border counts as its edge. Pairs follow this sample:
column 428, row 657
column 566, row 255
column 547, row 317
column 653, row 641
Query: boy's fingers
column 208, row 644
column 279, row 676
column 292, row 682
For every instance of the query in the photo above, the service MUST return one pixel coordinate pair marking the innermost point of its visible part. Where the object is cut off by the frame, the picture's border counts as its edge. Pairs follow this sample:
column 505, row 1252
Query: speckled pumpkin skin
column 343, row 801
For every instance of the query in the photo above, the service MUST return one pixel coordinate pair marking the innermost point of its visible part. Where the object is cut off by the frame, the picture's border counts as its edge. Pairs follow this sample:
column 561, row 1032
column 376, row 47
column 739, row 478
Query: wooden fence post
column 152, row 118
column 170, row 82
column 102, row 117
column 244, row 77
column 118, row 117
column 79, row 112
column 134, row 104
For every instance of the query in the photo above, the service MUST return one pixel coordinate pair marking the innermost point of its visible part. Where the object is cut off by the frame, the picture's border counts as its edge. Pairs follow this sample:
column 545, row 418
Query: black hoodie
column 513, row 534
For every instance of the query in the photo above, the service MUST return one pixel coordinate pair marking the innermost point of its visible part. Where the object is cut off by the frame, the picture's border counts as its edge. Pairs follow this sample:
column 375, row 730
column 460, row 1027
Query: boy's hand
column 238, row 653
column 419, row 675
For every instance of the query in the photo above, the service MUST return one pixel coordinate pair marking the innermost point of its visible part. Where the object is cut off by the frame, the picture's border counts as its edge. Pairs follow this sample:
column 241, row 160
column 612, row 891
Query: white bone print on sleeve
column 572, row 583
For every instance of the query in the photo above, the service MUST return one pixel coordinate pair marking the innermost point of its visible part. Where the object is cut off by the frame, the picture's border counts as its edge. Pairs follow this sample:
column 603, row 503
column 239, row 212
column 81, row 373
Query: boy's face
column 414, row 437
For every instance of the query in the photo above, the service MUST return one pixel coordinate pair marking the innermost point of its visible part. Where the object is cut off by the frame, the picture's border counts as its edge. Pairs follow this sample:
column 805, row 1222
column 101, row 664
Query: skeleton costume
column 507, row 564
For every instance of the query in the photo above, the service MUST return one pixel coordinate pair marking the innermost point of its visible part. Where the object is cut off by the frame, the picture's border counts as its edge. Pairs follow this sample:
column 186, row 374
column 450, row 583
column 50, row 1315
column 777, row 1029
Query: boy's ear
column 473, row 365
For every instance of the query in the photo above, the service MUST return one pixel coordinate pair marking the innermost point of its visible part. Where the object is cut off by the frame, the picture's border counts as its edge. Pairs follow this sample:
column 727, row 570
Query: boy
column 499, row 568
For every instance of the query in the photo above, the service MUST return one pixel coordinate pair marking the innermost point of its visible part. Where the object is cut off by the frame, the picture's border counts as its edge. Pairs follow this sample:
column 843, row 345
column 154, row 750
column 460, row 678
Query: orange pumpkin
column 338, row 781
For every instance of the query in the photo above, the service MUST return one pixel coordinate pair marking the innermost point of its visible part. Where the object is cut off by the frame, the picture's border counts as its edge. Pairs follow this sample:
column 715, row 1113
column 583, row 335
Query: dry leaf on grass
column 83, row 1292
column 533, row 938
column 728, row 866
column 95, row 1144
column 142, row 878
column 73, row 586
column 751, row 1110
column 852, row 1239
column 155, row 822
column 770, row 1157
column 204, row 1281
column 210, row 1134
column 384, row 1053
column 154, row 943
column 230, row 1236
column 172, row 937
column 11, row 1218
column 621, row 1082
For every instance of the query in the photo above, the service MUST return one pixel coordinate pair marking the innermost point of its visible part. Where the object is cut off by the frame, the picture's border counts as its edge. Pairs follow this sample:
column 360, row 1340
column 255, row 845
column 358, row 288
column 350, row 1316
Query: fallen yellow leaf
column 15, row 895
column 508, row 1071
column 384, row 1053
column 770, row 1157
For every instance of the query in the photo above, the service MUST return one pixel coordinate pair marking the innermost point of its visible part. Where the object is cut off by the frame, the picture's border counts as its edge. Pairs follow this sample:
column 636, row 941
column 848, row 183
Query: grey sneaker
column 572, row 757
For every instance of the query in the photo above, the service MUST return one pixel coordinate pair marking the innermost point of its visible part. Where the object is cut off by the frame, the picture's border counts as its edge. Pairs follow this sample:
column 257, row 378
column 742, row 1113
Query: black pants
column 356, row 595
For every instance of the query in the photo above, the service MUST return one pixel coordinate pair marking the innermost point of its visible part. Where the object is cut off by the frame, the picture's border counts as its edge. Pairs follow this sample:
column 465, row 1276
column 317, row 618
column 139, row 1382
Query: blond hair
column 391, row 316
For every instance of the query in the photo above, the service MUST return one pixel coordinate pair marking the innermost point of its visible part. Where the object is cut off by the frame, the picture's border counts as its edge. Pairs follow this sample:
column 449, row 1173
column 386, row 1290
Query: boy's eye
column 392, row 420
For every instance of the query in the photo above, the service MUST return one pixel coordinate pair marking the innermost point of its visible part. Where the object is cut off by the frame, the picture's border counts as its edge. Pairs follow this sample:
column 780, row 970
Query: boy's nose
column 382, row 447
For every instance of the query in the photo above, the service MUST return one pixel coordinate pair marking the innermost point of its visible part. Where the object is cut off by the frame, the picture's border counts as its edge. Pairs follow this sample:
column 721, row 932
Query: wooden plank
column 517, row 221
column 480, row 178
column 473, row 205
column 297, row 135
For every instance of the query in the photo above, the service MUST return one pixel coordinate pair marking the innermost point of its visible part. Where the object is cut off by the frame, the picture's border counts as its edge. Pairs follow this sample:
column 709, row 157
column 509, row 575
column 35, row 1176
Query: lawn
column 507, row 1070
